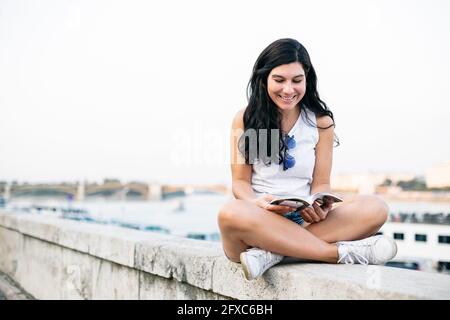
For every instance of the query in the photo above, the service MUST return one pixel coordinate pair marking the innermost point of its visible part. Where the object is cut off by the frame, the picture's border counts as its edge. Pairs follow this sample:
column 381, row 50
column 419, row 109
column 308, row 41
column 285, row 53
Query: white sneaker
column 256, row 261
column 373, row 250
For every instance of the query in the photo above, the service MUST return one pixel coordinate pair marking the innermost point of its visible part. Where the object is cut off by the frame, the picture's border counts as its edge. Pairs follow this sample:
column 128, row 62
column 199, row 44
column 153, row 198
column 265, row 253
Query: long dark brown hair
column 262, row 113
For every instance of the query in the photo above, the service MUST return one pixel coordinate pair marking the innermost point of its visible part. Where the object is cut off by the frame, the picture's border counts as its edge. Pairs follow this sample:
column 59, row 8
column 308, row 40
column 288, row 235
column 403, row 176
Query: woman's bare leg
column 356, row 218
column 243, row 225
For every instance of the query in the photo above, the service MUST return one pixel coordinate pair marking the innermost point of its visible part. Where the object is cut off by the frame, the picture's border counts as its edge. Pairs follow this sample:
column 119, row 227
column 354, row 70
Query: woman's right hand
column 264, row 202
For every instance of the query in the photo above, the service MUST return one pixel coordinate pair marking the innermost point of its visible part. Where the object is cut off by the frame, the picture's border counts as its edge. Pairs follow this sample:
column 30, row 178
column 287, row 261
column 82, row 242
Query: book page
column 320, row 196
column 291, row 202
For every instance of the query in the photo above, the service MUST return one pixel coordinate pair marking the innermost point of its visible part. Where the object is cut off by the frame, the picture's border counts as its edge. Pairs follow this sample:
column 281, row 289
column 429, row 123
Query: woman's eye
column 296, row 81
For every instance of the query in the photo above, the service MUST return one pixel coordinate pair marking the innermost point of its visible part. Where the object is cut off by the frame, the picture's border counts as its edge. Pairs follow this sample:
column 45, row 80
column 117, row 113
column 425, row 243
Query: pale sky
column 146, row 90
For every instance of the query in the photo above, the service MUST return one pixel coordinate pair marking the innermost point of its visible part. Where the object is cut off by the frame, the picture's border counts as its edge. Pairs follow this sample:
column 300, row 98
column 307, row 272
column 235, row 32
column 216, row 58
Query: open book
column 300, row 203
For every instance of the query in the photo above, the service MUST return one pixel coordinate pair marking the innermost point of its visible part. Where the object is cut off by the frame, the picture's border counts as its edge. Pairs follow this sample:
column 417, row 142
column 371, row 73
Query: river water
column 193, row 215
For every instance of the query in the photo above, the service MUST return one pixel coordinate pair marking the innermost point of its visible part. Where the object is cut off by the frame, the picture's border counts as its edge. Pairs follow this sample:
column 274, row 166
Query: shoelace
column 259, row 252
column 350, row 256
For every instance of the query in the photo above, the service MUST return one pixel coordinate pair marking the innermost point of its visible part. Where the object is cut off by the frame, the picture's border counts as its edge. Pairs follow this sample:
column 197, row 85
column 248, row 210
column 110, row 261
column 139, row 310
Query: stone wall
column 53, row 258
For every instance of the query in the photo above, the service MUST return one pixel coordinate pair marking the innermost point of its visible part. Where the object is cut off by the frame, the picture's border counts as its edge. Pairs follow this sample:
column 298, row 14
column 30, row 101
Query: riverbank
column 405, row 196
column 418, row 196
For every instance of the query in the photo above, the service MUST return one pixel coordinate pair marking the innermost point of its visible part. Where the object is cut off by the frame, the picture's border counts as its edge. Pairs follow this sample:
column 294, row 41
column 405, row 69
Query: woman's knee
column 233, row 216
column 377, row 211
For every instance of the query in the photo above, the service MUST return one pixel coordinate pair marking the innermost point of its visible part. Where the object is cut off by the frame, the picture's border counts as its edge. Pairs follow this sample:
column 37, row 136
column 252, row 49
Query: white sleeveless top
column 295, row 181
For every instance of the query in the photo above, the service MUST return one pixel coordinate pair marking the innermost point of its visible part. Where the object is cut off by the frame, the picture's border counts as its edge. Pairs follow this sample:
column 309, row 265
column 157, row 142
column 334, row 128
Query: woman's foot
column 256, row 261
column 373, row 250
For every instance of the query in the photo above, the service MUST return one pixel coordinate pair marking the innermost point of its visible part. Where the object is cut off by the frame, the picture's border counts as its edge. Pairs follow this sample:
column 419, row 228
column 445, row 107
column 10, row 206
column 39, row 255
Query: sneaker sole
column 394, row 244
column 244, row 266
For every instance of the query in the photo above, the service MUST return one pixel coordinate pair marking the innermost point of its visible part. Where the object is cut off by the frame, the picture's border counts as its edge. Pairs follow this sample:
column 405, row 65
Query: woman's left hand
column 317, row 213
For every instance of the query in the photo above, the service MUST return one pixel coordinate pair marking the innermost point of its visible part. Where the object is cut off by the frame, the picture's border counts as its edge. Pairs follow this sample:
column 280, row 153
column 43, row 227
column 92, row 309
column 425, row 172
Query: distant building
column 365, row 183
column 427, row 245
column 438, row 176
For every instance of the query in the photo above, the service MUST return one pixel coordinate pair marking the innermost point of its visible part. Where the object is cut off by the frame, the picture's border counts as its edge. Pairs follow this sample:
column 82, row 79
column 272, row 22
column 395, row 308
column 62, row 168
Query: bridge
column 117, row 190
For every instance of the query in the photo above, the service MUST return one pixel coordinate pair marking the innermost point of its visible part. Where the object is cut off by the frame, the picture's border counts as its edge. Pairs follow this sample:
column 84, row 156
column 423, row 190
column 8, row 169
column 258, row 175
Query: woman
column 286, row 116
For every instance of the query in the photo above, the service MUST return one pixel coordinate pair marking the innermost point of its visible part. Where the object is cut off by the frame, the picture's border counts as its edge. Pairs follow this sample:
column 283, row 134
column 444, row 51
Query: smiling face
column 286, row 85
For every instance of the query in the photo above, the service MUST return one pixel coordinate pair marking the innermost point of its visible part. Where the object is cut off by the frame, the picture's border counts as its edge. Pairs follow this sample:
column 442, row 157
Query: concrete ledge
column 9, row 290
column 61, row 259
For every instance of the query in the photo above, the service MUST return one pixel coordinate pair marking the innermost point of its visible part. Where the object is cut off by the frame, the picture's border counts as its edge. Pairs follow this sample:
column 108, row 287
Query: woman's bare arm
column 324, row 156
column 241, row 172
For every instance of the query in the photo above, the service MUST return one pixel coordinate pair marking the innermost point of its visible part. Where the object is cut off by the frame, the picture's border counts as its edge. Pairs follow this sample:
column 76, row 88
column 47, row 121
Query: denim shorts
column 295, row 216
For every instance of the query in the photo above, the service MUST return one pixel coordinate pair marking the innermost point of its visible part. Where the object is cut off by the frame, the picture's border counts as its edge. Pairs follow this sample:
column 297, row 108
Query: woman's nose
column 288, row 88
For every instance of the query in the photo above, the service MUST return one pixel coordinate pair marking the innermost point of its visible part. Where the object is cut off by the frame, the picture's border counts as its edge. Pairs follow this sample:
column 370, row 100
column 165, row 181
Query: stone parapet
column 53, row 258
